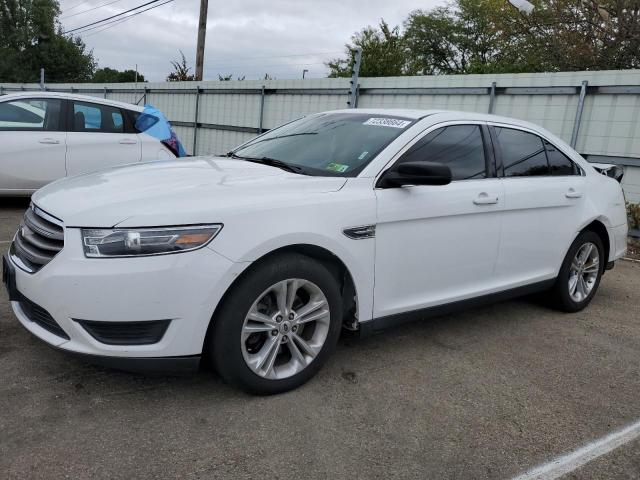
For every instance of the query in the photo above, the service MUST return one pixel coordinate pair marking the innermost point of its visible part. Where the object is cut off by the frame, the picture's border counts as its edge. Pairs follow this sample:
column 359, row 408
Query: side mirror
column 416, row 173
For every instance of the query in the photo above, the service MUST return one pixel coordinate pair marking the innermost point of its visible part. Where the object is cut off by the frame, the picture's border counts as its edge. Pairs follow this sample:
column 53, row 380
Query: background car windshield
column 328, row 144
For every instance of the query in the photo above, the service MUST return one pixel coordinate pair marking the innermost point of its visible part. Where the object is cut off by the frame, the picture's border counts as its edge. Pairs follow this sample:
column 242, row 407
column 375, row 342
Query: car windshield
column 329, row 144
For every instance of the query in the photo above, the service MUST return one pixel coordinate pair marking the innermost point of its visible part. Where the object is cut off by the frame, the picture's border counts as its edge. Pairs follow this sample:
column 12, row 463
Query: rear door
column 98, row 138
column 32, row 144
column 544, row 197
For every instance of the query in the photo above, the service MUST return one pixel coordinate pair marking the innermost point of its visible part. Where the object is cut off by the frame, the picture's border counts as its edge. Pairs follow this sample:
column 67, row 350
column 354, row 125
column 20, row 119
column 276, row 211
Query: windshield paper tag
column 387, row 122
column 337, row 167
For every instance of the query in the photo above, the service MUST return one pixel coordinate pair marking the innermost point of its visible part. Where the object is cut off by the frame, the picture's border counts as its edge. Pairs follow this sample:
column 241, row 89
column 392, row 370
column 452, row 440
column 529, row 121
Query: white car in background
column 46, row 136
column 358, row 219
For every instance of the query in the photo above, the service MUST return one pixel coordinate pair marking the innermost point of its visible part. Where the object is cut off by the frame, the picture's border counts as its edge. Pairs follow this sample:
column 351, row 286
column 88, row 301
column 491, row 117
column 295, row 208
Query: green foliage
column 31, row 38
column 633, row 212
column 180, row 70
column 384, row 53
column 491, row 36
column 110, row 75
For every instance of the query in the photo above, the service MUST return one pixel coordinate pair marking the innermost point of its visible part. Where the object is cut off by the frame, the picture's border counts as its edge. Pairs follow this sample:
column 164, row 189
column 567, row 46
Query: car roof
column 71, row 96
column 417, row 114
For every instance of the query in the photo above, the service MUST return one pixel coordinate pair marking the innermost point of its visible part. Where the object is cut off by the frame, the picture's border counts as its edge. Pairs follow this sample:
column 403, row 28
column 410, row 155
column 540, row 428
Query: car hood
column 180, row 192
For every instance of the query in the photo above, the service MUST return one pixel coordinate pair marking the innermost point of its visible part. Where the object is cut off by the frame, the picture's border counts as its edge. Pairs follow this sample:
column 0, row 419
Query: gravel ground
column 488, row 394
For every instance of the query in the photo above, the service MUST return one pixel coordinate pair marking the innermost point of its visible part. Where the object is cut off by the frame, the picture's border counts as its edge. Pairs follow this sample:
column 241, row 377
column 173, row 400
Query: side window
column 91, row 117
column 31, row 114
column 523, row 153
column 559, row 163
column 458, row 146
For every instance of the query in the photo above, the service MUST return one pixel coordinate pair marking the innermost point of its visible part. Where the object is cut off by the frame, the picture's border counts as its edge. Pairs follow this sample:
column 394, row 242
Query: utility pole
column 202, row 31
column 42, row 79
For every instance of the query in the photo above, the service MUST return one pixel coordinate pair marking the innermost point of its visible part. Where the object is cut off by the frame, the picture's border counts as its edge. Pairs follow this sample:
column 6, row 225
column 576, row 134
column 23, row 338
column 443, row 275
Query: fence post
column 353, row 89
column 1, row 90
column 105, row 92
column 261, row 110
column 144, row 97
column 42, row 79
column 195, row 122
column 492, row 97
column 578, row 120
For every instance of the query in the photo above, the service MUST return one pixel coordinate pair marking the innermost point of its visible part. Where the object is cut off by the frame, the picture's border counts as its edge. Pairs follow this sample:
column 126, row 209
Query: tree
column 384, row 53
column 31, row 38
column 110, row 75
column 491, row 36
column 180, row 70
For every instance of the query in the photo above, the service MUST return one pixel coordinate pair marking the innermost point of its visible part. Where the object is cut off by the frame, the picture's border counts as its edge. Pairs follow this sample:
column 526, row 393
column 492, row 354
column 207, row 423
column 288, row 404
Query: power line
column 76, row 5
column 118, row 21
column 90, row 9
column 109, row 18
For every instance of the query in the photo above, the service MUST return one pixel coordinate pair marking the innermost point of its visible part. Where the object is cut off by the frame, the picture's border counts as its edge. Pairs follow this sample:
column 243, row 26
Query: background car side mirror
column 416, row 173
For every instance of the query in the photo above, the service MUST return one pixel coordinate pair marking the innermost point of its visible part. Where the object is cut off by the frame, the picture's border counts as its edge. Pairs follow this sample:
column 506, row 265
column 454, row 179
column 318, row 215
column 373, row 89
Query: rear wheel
column 580, row 273
column 277, row 326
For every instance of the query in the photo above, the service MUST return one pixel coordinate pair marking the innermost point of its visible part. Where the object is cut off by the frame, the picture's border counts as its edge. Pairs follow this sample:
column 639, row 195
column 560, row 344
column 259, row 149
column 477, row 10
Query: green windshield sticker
column 337, row 167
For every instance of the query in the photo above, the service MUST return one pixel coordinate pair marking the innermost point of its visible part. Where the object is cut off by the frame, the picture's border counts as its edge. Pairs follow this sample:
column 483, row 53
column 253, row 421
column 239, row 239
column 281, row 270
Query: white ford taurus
column 357, row 219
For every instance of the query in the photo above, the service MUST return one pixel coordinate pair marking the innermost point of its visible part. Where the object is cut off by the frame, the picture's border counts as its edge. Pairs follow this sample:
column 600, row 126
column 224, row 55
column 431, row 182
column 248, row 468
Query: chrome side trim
column 360, row 233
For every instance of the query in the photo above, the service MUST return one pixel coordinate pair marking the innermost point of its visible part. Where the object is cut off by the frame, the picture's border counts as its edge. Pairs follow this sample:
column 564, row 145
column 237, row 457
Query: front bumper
column 184, row 288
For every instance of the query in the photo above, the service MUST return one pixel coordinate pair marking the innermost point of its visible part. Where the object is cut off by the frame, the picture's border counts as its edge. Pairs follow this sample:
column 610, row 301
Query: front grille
column 41, row 317
column 38, row 240
column 126, row 333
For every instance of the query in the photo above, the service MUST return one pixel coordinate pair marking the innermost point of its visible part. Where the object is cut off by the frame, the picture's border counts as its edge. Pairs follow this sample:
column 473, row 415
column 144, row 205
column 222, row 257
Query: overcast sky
column 244, row 37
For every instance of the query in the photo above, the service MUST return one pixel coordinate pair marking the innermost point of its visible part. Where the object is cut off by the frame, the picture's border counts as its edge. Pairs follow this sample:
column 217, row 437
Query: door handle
column 486, row 199
column 127, row 141
column 49, row 141
column 573, row 193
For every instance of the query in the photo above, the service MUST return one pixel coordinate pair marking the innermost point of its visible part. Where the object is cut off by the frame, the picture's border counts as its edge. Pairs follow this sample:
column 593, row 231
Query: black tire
column 224, row 344
column 560, row 296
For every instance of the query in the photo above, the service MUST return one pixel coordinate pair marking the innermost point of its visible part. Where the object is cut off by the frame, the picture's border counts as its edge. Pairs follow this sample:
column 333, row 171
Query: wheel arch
column 599, row 227
column 336, row 265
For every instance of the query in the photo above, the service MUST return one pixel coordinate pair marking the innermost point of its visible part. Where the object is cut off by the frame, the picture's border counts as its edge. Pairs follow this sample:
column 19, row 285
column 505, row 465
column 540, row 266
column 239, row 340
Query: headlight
column 133, row 242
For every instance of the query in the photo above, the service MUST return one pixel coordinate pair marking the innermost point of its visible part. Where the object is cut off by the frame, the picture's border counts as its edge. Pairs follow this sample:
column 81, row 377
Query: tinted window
column 559, row 163
column 458, row 146
column 522, row 153
column 91, row 117
column 30, row 114
column 328, row 144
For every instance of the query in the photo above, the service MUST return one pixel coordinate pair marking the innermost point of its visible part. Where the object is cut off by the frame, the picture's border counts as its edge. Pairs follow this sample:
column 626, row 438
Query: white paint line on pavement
column 574, row 460
column 6, row 241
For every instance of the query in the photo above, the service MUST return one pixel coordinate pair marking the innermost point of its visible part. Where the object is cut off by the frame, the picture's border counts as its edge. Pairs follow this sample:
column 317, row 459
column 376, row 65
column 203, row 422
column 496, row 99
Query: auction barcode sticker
column 387, row 122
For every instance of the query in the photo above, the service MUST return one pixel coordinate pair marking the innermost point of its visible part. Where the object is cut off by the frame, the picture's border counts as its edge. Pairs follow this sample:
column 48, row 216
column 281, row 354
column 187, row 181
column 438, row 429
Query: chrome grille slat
column 42, row 226
column 41, row 242
column 38, row 240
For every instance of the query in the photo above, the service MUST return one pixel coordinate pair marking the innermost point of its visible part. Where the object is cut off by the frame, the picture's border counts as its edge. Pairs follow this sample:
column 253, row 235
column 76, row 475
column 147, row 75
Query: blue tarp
column 153, row 122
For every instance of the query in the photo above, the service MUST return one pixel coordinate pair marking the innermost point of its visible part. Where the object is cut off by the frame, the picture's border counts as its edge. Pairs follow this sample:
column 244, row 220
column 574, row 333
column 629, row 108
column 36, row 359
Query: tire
column 248, row 325
column 573, row 297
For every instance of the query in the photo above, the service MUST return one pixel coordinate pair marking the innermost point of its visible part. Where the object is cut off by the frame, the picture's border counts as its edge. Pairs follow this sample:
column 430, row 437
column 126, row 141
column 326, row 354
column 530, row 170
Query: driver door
column 439, row 244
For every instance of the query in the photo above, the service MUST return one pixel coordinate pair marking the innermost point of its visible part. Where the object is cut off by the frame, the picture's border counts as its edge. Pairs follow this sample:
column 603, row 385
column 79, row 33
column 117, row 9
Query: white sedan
column 46, row 136
column 357, row 219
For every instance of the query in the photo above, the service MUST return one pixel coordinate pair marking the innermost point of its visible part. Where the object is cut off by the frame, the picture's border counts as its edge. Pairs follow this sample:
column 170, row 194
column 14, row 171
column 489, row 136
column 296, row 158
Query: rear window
column 91, row 117
column 523, row 153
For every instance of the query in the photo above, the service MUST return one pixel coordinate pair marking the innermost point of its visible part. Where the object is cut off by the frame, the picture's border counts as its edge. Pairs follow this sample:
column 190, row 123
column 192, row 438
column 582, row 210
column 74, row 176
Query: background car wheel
column 277, row 326
column 580, row 273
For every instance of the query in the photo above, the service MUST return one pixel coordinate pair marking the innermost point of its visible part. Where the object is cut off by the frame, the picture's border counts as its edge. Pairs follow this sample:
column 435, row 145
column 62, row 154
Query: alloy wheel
column 285, row 328
column 584, row 271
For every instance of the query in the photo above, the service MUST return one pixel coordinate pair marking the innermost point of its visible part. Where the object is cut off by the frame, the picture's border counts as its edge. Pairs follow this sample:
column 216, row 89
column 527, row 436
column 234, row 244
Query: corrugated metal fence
column 598, row 112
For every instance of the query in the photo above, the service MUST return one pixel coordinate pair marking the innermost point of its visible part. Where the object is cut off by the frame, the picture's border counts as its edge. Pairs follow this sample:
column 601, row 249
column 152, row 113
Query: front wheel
column 580, row 273
column 277, row 326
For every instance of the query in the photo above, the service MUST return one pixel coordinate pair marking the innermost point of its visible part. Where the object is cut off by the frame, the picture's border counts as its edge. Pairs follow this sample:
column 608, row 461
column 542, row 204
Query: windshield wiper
column 272, row 162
